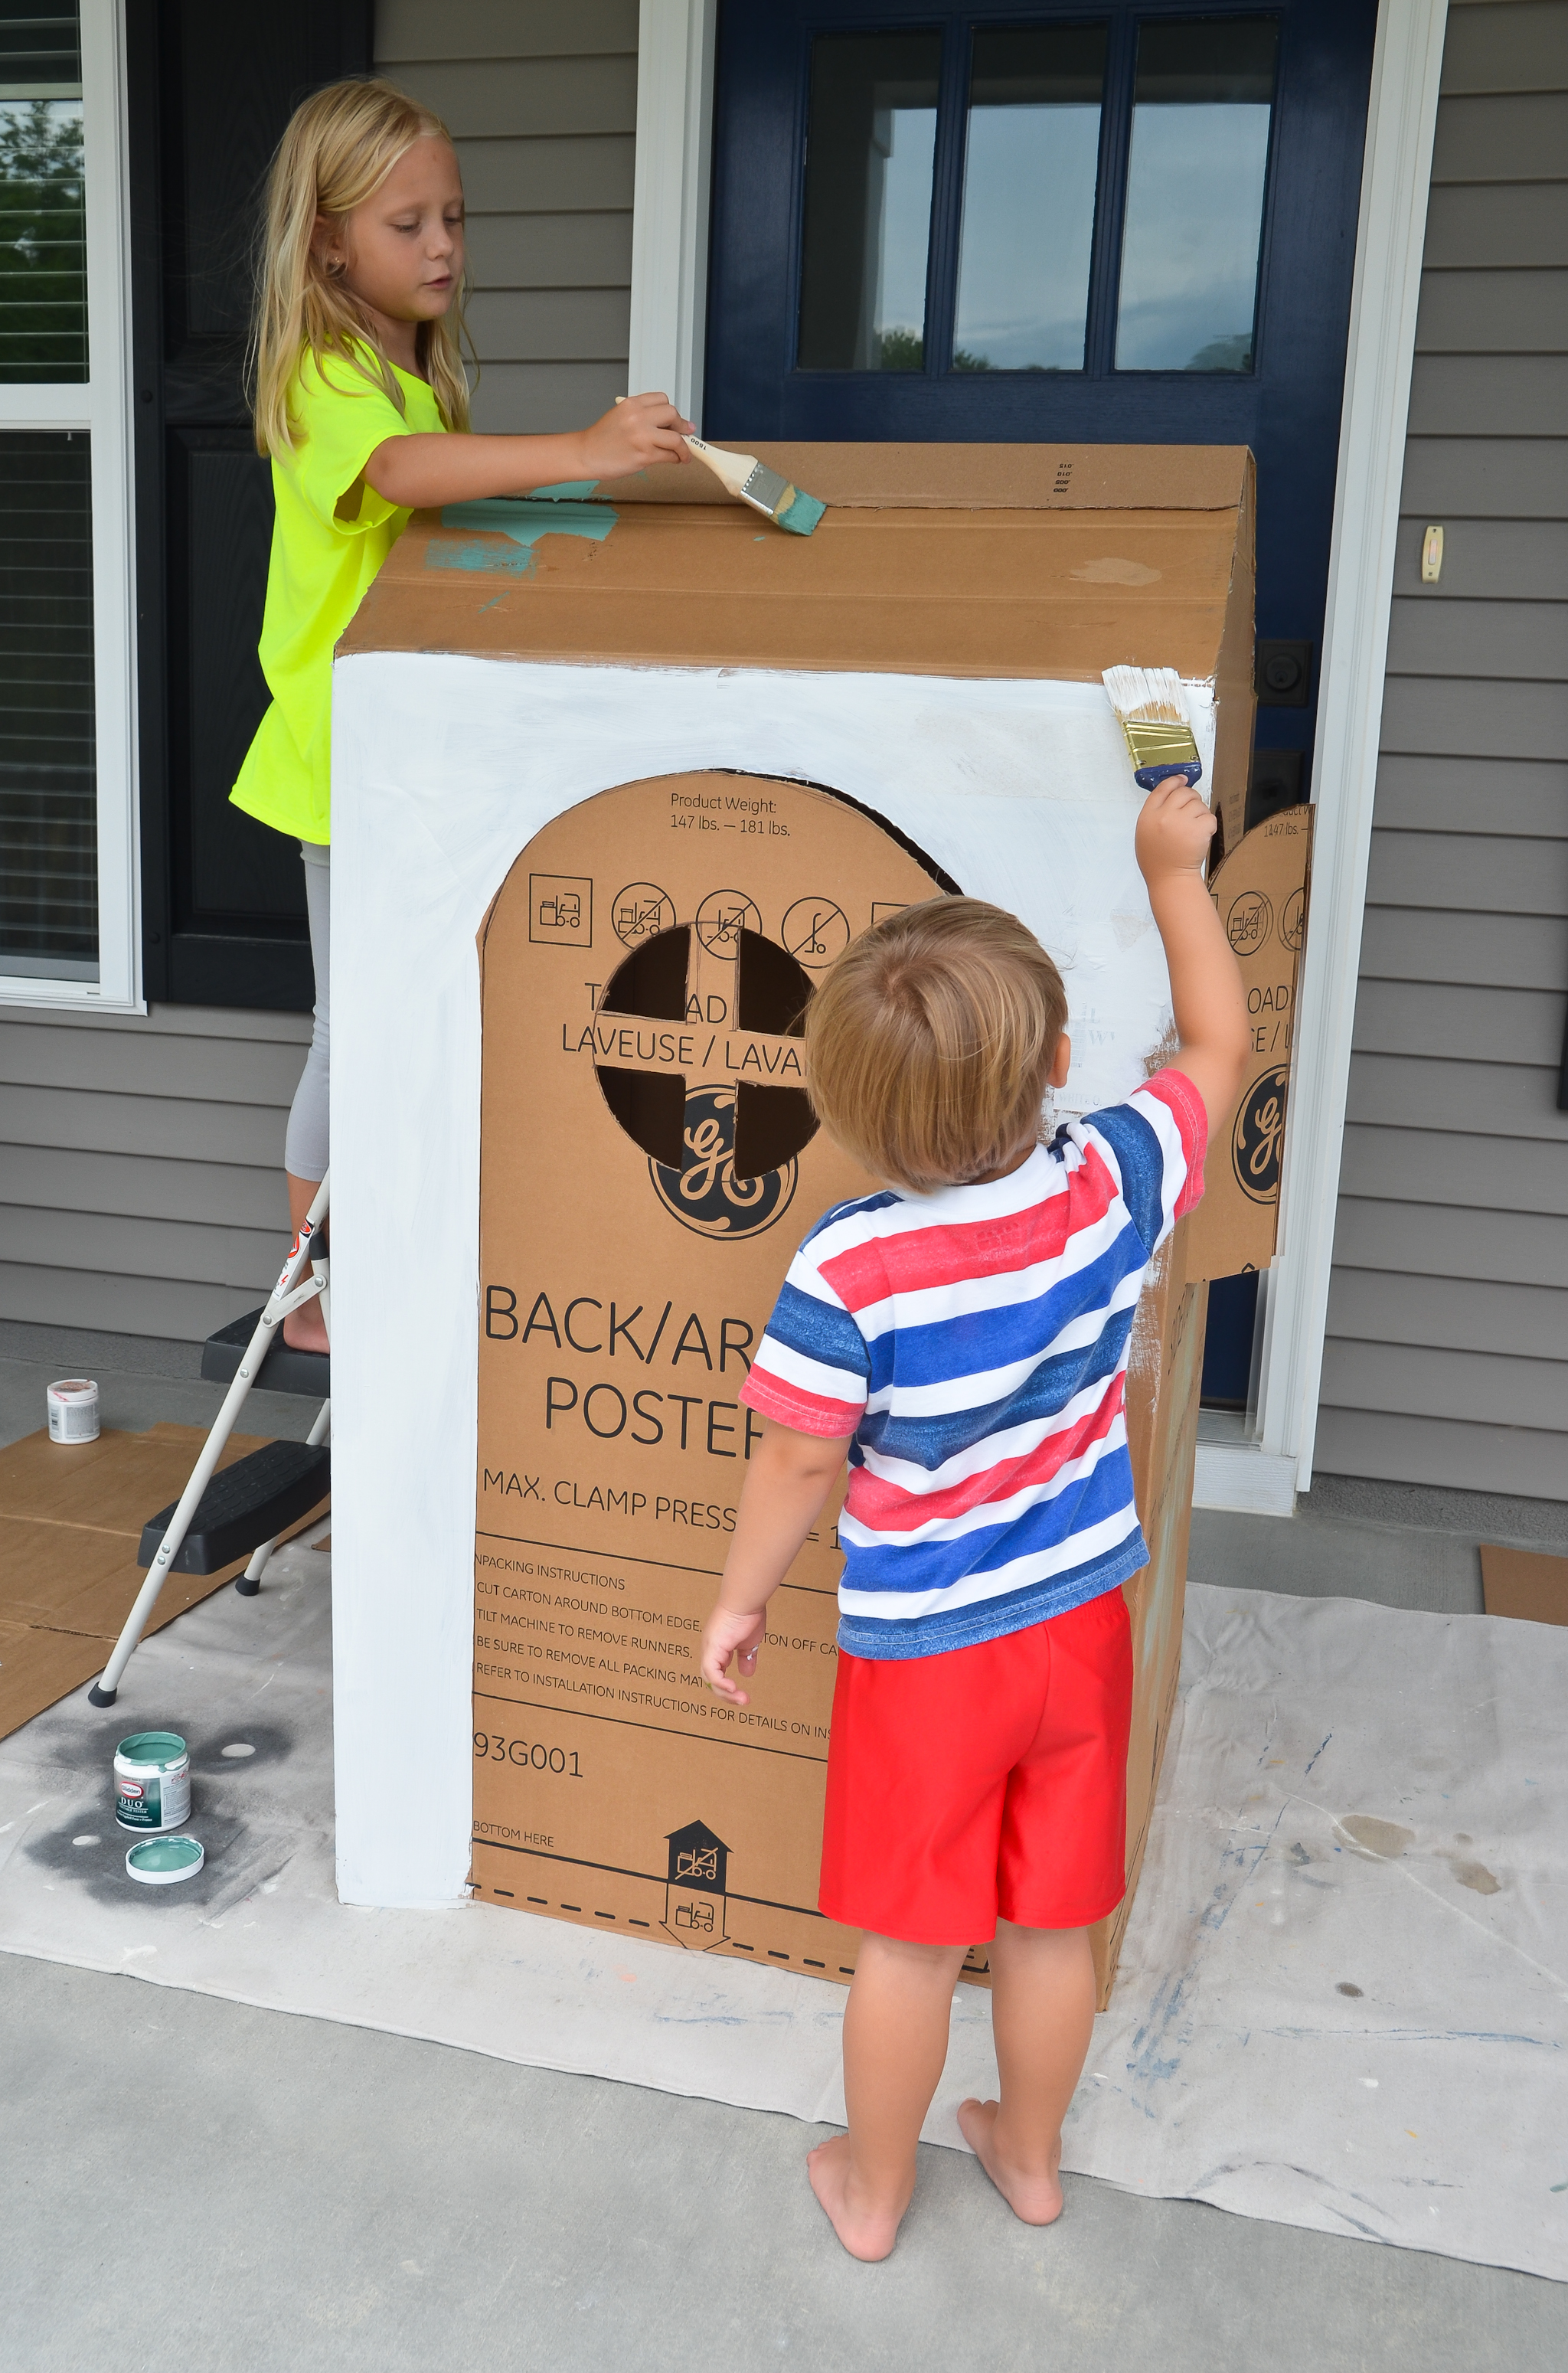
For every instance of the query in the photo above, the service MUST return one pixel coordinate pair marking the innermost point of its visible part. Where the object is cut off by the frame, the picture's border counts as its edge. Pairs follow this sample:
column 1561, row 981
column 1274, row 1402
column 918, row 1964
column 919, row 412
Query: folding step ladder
column 217, row 1518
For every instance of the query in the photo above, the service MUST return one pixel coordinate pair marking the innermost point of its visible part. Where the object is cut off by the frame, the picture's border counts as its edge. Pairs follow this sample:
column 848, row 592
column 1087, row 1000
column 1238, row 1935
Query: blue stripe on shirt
column 903, row 1565
column 998, row 1335
column 1141, row 1161
column 929, row 1441
column 900, row 1637
column 823, row 1331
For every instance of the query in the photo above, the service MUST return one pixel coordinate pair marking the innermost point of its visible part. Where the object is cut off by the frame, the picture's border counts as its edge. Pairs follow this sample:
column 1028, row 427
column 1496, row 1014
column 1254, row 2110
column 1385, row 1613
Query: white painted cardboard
column 444, row 768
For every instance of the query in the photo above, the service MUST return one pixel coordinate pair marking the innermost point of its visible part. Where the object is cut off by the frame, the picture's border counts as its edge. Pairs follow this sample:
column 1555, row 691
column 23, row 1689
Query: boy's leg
column 1042, row 2017
column 896, row 2029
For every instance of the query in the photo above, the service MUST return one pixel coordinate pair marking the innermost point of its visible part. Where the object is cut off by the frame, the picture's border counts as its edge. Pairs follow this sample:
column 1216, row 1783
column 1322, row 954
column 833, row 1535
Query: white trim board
column 674, row 154
column 1240, row 1476
column 1397, row 170
column 102, row 406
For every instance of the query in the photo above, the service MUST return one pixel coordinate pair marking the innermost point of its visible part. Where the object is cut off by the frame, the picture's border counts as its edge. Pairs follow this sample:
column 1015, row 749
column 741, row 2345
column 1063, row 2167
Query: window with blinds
column 43, row 277
column 48, row 774
column 48, row 771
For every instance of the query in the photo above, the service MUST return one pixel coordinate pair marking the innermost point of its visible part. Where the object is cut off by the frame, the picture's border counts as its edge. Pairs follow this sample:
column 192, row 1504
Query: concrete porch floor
column 186, row 2179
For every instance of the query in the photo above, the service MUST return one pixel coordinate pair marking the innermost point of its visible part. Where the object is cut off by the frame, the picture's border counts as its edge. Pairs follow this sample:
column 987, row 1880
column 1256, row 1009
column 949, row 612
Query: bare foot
column 866, row 2233
column 1036, row 2199
column 305, row 1329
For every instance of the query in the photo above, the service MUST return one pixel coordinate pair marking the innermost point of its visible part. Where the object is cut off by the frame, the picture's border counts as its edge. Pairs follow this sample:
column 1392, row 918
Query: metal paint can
column 163, row 1862
column 152, row 1781
column 73, row 1409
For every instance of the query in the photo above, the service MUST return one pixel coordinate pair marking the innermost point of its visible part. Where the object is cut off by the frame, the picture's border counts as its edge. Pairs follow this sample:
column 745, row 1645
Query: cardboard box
column 646, row 1158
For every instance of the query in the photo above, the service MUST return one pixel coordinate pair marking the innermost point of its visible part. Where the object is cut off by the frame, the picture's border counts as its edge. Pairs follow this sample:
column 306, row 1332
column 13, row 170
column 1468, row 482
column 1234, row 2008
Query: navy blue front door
column 1130, row 224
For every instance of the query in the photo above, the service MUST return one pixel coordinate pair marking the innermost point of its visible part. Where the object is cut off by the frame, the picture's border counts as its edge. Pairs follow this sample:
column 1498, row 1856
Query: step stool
column 217, row 1518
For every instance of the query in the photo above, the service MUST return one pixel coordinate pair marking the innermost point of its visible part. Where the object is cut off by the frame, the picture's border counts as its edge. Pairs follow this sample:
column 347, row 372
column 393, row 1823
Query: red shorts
column 983, row 1780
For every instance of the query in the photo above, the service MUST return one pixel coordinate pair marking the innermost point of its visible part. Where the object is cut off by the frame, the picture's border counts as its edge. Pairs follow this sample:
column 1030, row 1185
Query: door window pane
column 870, row 141
column 1030, row 157
column 1201, row 108
column 43, row 290
column 48, row 773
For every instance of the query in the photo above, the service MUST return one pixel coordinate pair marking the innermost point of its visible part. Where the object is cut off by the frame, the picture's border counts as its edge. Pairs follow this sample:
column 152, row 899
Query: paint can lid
column 161, row 1862
column 151, row 1750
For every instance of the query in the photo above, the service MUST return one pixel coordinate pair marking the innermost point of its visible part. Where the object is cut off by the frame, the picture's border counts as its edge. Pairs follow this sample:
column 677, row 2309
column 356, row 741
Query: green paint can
column 164, row 1862
column 152, row 1781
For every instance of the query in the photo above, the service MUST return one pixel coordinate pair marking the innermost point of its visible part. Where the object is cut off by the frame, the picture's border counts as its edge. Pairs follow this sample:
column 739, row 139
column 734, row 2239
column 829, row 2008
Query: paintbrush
column 787, row 507
column 1153, row 716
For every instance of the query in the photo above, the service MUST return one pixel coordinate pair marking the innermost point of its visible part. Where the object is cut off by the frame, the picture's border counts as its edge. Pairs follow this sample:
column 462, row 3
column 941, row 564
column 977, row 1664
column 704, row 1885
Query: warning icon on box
column 561, row 910
column 694, row 1896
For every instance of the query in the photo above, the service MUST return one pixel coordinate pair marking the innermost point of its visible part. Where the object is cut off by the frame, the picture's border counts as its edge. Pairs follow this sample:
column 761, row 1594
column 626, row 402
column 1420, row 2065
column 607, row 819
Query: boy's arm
column 1174, row 832
column 422, row 471
column 790, row 1479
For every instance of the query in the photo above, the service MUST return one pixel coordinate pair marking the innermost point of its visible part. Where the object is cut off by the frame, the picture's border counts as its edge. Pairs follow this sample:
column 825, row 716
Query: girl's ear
column 326, row 247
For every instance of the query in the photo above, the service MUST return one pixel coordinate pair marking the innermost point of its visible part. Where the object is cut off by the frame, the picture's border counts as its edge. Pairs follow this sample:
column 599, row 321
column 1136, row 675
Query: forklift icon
column 694, row 1894
column 561, row 910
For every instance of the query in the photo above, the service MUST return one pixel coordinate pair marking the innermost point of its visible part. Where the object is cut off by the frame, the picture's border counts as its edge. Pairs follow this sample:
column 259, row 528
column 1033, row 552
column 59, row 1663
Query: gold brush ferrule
column 1158, row 742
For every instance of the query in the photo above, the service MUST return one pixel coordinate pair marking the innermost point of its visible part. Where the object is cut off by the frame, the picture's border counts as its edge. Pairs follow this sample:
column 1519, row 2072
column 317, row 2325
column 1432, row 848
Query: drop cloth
column 1341, row 2001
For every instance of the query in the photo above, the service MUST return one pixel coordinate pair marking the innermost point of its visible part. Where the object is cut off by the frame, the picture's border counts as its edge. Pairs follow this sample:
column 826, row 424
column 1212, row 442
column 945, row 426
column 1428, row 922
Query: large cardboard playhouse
column 616, row 776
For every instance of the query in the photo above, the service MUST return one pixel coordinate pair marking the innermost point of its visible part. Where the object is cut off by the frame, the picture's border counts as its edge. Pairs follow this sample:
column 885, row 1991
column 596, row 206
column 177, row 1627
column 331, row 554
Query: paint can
column 73, row 1409
column 152, row 1781
column 164, row 1862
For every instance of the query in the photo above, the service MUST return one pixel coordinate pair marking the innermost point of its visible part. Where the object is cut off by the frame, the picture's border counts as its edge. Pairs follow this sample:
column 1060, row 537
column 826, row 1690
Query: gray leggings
column 305, row 1147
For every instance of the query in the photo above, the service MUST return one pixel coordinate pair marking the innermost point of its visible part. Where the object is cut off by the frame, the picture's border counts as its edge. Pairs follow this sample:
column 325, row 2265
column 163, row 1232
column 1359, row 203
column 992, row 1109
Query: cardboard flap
column 1261, row 892
column 971, row 477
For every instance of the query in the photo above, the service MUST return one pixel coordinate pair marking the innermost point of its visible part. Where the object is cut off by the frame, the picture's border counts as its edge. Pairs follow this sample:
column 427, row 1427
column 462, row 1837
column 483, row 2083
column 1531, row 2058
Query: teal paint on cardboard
column 524, row 522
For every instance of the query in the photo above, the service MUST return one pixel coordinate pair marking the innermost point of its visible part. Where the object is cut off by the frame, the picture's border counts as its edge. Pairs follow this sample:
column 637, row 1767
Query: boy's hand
column 637, row 433
column 727, row 1634
column 1174, row 831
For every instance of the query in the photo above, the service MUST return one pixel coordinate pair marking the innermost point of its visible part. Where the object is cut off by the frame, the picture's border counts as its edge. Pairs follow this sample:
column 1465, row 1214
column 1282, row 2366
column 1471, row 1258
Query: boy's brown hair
column 930, row 1043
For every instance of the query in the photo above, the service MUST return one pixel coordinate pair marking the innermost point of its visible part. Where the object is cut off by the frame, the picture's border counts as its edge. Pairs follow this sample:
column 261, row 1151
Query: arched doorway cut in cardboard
column 648, row 1162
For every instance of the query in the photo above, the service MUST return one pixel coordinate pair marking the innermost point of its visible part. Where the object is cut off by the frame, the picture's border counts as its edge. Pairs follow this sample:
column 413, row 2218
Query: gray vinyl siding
column 141, row 1165
column 1446, row 1360
column 541, row 97
column 141, row 1160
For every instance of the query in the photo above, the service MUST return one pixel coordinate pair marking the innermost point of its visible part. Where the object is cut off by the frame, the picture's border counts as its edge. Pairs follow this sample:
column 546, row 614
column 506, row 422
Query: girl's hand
column 640, row 431
column 1174, row 831
column 727, row 1634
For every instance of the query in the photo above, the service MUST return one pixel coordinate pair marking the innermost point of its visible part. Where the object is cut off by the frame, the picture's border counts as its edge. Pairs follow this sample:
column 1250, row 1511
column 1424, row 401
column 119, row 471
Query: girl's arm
column 787, row 1484
column 421, row 473
column 1174, row 832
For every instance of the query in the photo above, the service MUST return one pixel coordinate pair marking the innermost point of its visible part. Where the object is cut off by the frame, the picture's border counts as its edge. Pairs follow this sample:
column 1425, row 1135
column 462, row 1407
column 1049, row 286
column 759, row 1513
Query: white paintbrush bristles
column 1151, row 712
column 1146, row 696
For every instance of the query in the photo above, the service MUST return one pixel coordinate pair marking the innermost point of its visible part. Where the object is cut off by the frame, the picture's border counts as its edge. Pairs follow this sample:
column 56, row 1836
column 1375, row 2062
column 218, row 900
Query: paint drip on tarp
column 545, row 513
column 152, row 1781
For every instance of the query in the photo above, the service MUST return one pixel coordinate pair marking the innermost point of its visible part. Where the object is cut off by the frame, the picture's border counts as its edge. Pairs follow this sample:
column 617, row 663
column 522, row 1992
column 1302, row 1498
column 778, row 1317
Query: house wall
column 141, row 1158
column 1446, row 1360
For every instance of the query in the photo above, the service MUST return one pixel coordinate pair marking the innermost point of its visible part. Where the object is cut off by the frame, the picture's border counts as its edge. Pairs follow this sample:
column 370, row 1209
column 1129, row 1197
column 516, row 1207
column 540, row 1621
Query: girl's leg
column 1042, row 2017
column 305, row 1147
column 895, row 2029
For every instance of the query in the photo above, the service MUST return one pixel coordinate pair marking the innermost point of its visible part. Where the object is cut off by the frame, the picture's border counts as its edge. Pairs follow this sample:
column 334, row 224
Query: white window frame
column 101, row 406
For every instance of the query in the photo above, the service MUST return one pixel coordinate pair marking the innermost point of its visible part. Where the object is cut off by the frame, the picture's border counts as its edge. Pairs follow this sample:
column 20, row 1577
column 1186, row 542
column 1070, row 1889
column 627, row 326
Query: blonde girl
column 361, row 405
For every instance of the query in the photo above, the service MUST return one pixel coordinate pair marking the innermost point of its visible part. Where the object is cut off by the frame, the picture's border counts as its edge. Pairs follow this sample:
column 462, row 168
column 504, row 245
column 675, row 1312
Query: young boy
column 964, row 1339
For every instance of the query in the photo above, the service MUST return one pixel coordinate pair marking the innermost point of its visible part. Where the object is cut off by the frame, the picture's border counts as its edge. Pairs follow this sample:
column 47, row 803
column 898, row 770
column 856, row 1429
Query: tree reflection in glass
column 1203, row 107
column 1030, row 157
column 871, row 143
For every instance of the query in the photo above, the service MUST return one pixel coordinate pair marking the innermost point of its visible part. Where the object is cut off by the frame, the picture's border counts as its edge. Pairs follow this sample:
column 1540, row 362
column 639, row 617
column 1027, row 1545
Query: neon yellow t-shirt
column 320, row 569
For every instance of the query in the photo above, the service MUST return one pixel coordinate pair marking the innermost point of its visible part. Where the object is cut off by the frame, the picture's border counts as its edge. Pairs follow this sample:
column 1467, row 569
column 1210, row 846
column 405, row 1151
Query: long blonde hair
column 340, row 146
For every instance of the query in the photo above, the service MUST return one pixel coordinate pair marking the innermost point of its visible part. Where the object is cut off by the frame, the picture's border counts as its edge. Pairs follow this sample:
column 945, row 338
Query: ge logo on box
column 1258, row 1140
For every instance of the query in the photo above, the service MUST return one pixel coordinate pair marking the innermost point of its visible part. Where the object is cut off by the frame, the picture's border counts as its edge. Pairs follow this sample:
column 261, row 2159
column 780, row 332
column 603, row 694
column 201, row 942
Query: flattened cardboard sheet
column 1262, row 893
column 71, row 1518
column 1524, row 1584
